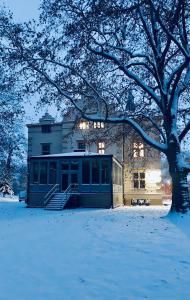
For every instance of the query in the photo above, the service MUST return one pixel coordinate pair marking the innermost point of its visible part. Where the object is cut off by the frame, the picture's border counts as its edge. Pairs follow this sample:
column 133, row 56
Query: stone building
column 141, row 177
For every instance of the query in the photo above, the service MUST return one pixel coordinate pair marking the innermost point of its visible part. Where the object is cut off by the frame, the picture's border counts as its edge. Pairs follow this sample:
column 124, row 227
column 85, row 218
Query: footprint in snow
column 184, row 262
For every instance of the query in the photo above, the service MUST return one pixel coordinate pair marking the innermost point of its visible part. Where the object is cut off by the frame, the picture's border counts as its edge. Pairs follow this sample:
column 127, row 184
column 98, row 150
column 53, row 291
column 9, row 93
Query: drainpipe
column 123, row 160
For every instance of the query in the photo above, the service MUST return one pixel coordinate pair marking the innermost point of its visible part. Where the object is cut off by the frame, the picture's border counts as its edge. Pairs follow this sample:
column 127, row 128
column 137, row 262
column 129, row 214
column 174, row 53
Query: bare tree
column 96, row 51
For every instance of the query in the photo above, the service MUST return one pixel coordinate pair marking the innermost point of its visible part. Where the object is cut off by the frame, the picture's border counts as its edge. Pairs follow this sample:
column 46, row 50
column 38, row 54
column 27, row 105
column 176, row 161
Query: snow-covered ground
column 89, row 254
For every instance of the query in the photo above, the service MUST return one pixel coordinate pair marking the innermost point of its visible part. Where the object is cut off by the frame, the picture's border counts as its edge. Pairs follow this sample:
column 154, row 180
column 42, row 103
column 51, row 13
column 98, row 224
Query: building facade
column 141, row 170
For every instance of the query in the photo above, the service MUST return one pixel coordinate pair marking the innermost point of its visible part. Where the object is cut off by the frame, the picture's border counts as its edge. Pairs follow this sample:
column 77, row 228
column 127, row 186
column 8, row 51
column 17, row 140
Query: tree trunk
column 178, row 173
column 180, row 192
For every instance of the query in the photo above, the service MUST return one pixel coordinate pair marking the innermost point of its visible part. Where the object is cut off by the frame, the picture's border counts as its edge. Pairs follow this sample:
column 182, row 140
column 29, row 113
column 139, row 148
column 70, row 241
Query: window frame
column 138, row 149
column 46, row 128
column 101, row 147
column 83, row 125
column 47, row 152
column 99, row 125
column 139, row 180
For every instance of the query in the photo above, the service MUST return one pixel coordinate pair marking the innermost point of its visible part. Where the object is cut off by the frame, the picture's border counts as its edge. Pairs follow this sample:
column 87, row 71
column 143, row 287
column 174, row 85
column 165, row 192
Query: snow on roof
column 82, row 153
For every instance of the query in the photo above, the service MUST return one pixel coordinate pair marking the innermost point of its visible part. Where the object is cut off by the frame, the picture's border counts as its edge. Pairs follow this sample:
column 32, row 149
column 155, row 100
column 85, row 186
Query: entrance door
column 68, row 178
column 64, row 181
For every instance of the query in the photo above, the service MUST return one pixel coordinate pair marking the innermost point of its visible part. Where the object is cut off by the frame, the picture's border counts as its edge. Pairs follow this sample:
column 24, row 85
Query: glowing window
column 138, row 149
column 101, row 147
column 98, row 125
column 83, row 125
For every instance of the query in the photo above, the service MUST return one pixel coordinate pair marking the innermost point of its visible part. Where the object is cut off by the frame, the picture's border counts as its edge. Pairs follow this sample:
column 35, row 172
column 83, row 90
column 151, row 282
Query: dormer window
column 98, row 125
column 83, row 125
column 46, row 128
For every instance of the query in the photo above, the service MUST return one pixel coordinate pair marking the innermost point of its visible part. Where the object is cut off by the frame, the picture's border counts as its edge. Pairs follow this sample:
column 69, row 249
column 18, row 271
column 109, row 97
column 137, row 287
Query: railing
column 49, row 195
column 71, row 189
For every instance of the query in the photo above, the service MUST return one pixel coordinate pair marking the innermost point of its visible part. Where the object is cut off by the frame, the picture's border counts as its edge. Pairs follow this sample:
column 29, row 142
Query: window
column 138, row 149
column 139, row 180
column 105, row 171
column 74, row 165
column 43, row 173
column 86, row 172
column 46, row 128
column 101, row 147
column 45, row 149
column 65, row 166
column 95, row 172
column 35, row 172
column 98, row 125
column 52, row 172
column 83, row 125
column 81, row 145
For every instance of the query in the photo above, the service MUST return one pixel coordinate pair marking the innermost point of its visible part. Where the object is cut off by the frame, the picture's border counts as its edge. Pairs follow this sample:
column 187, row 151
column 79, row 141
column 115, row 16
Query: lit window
column 101, row 147
column 139, row 180
column 83, row 125
column 98, row 125
column 138, row 149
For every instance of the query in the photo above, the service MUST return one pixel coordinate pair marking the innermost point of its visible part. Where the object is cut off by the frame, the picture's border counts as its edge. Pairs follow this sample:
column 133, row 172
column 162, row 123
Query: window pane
column 35, row 172
column 52, row 172
column 85, row 172
column 43, row 172
column 136, row 184
column 45, row 149
column 74, row 178
column 105, row 171
column 65, row 166
column 135, row 175
column 101, row 147
column 142, row 175
column 81, row 145
column 74, row 165
column 142, row 184
column 46, row 128
column 84, row 125
column 95, row 172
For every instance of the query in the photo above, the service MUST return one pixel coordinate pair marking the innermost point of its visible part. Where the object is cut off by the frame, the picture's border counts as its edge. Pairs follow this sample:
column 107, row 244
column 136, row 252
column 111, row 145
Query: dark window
column 46, row 128
column 65, row 166
column 105, row 171
column 74, row 165
column 81, row 145
column 139, row 180
column 95, row 172
column 43, row 173
column 85, row 172
column 45, row 149
column 35, row 172
column 74, row 178
column 52, row 172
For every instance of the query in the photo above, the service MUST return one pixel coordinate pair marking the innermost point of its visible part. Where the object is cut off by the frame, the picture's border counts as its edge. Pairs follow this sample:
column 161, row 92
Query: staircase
column 57, row 201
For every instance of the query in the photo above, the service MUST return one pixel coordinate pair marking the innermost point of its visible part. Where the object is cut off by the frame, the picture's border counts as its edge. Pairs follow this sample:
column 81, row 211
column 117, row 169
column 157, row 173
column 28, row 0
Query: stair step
column 58, row 201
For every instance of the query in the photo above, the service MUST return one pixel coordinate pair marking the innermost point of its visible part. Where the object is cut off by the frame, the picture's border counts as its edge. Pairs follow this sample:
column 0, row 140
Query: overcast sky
column 24, row 10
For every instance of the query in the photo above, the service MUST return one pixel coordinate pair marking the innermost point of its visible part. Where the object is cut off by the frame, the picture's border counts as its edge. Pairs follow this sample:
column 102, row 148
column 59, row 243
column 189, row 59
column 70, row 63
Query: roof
column 68, row 154
column 75, row 154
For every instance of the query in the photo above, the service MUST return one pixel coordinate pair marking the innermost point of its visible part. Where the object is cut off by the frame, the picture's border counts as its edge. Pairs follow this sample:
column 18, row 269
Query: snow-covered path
column 88, row 254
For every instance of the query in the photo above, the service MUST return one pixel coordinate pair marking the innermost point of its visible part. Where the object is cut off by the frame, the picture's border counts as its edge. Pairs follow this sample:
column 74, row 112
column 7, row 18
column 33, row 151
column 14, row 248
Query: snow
column 124, row 254
column 82, row 153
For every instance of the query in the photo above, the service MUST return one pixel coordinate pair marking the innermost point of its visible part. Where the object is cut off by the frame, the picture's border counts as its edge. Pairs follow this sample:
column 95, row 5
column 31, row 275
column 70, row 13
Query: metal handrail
column 48, row 196
column 68, row 190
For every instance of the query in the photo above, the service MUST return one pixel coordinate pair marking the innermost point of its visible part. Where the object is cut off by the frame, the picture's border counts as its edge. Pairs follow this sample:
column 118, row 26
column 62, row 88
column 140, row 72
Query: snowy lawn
column 99, row 254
